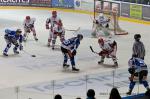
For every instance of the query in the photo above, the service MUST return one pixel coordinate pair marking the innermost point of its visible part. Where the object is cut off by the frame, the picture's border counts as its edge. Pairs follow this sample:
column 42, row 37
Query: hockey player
column 102, row 21
column 100, row 25
column 54, row 19
column 109, row 49
column 12, row 37
column 58, row 30
column 138, row 70
column 69, row 48
column 28, row 27
column 138, row 47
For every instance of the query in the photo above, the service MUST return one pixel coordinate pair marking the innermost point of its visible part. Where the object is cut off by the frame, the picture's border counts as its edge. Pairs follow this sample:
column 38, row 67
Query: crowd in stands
column 146, row 2
column 114, row 94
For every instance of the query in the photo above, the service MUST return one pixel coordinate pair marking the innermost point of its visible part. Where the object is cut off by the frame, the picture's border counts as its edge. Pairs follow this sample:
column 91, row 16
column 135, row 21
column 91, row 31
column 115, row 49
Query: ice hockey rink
column 40, row 77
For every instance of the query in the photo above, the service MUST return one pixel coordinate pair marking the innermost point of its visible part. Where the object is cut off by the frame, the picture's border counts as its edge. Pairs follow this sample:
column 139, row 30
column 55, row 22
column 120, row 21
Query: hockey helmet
column 54, row 12
column 101, row 40
column 18, row 31
column 80, row 36
column 27, row 17
column 137, row 36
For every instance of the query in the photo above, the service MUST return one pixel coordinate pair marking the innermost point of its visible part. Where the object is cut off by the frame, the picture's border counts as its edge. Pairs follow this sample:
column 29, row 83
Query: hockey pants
column 66, row 54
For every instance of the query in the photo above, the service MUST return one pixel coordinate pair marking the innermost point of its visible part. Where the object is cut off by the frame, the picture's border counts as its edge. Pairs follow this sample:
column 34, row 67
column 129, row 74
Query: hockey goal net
column 113, row 15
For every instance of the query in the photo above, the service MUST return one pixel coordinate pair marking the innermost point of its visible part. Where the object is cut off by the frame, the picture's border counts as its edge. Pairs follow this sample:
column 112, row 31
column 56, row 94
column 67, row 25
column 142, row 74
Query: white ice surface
column 22, row 69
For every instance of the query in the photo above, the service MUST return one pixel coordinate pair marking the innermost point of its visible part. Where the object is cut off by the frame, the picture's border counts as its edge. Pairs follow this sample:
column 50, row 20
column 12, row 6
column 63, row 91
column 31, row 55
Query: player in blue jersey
column 12, row 37
column 139, row 71
column 69, row 48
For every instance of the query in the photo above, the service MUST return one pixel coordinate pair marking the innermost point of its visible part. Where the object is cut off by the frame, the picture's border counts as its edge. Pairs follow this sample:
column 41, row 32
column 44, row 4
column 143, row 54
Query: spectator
column 114, row 94
column 144, row 1
column 57, row 96
column 91, row 94
column 133, row 1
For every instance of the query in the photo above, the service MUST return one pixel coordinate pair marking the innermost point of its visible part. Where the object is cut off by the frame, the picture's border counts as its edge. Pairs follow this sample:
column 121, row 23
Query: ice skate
column 53, row 48
column 100, row 62
column 16, row 52
column 74, row 69
column 115, row 64
column 48, row 44
column 35, row 38
column 129, row 92
column 5, row 54
column 66, row 66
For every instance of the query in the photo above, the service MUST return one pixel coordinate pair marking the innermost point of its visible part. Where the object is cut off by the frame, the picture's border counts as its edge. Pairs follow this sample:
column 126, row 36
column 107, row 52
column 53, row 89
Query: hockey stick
column 96, row 52
column 29, row 53
column 93, row 50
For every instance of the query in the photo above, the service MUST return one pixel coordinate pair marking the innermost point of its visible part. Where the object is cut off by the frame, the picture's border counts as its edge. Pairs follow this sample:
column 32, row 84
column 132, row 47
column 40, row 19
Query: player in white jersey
column 101, row 25
column 28, row 27
column 58, row 30
column 102, row 21
column 53, row 20
column 109, row 49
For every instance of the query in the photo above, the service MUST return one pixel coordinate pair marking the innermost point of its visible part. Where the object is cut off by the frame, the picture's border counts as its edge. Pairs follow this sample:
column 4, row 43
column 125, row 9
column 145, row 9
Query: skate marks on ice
column 69, row 70
column 41, row 44
column 108, row 65
column 10, row 56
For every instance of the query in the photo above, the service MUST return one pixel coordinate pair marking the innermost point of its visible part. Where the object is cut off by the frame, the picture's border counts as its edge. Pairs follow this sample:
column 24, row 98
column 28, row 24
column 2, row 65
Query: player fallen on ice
column 69, row 48
column 29, row 27
column 139, row 71
column 15, row 38
column 109, row 49
column 59, row 31
column 53, row 20
column 101, row 23
column 138, row 47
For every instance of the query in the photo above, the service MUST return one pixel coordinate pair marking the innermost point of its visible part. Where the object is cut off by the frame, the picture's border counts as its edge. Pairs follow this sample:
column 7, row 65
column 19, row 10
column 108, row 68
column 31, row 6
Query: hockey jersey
column 138, row 64
column 71, row 44
column 59, row 29
column 108, row 45
column 30, row 23
column 12, row 35
column 52, row 21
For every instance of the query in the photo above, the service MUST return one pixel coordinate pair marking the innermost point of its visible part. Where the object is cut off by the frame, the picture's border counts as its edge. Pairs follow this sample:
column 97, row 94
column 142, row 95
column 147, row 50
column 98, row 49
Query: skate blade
column 67, row 70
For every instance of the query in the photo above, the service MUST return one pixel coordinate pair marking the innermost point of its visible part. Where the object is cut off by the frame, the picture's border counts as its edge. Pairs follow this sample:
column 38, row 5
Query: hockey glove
column 20, row 47
column 131, row 70
column 74, row 52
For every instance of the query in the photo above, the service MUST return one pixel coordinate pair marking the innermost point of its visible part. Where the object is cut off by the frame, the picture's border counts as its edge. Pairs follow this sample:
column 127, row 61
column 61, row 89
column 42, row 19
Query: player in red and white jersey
column 109, row 49
column 58, row 30
column 29, row 26
column 50, row 23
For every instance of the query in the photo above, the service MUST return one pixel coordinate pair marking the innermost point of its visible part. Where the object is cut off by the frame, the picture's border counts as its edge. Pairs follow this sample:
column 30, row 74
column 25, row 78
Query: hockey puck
column 33, row 55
